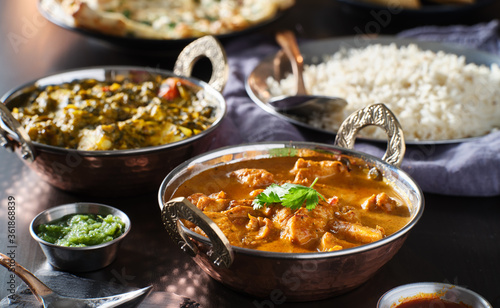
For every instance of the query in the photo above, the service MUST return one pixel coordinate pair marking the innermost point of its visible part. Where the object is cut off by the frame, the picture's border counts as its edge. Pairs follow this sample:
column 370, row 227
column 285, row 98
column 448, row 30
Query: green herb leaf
column 289, row 195
column 127, row 13
column 272, row 194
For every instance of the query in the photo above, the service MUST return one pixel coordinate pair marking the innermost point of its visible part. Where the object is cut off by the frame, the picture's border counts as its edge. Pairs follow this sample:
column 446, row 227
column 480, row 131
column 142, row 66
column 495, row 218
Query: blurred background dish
column 425, row 8
column 260, row 91
column 53, row 12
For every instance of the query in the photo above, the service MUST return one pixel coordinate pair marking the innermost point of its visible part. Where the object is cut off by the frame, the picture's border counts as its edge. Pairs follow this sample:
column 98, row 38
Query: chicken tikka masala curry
column 297, row 205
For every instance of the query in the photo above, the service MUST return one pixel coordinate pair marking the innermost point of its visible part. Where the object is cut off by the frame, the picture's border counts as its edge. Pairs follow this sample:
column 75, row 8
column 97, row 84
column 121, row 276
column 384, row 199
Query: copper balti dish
column 117, row 172
column 291, row 276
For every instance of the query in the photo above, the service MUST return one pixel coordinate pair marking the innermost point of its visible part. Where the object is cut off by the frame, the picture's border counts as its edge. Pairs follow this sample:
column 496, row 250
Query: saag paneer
column 297, row 205
column 94, row 115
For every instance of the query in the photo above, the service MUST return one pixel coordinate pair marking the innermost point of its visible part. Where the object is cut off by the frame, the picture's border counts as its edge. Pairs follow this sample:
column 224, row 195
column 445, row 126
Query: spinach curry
column 95, row 115
column 261, row 204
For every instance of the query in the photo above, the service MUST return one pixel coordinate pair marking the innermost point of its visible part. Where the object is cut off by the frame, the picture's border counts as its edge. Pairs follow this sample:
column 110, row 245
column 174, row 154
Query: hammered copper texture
column 118, row 175
column 299, row 280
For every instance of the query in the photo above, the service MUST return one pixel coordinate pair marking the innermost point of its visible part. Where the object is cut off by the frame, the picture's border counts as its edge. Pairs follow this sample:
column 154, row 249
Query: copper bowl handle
column 181, row 208
column 27, row 148
column 209, row 47
column 378, row 115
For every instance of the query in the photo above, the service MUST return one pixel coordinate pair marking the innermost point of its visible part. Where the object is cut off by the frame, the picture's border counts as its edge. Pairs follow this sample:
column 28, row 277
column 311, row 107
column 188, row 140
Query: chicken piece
column 300, row 228
column 356, row 233
column 240, row 225
column 238, row 215
column 347, row 213
column 380, row 202
column 247, row 203
column 255, row 193
column 253, row 223
column 281, row 216
column 232, row 231
column 262, row 224
column 306, row 225
column 307, row 170
column 239, row 211
column 329, row 242
column 255, row 178
column 213, row 203
column 220, row 195
column 324, row 211
column 216, row 207
column 242, row 202
column 233, row 222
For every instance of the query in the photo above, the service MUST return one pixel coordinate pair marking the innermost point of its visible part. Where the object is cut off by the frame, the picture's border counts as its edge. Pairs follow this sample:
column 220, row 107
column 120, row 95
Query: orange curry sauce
column 430, row 302
column 360, row 208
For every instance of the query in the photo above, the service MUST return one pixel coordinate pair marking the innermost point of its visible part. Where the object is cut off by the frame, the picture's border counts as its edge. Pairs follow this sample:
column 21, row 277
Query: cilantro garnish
column 127, row 13
column 289, row 195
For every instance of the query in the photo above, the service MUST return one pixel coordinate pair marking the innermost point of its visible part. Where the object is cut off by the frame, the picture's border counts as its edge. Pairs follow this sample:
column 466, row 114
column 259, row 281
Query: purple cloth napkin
column 470, row 168
column 481, row 36
column 251, row 123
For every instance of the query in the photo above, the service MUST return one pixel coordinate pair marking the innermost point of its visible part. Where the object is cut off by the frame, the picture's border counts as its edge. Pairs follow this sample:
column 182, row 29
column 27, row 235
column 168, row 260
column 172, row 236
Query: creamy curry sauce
column 360, row 208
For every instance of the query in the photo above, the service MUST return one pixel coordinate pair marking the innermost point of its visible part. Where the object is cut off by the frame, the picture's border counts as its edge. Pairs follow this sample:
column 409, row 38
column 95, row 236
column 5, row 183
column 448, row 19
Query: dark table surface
column 456, row 241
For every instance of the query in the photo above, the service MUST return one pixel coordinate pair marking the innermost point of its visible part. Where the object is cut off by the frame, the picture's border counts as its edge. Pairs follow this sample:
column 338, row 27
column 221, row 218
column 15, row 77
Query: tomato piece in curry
column 358, row 208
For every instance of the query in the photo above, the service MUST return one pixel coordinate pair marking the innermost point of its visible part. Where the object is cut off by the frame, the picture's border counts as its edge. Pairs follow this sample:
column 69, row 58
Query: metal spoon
column 51, row 299
column 301, row 102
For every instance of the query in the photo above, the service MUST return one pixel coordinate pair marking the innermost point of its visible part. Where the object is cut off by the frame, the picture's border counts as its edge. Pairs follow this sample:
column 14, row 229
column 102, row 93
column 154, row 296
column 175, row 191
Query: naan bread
column 169, row 19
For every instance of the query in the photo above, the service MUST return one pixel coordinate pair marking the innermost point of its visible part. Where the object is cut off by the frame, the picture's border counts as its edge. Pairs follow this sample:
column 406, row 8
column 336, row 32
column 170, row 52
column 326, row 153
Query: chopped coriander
column 289, row 195
column 127, row 13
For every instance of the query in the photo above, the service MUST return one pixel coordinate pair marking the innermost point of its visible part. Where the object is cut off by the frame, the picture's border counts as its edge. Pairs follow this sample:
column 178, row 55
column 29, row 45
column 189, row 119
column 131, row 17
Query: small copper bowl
column 290, row 276
column 451, row 293
column 117, row 172
column 79, row 259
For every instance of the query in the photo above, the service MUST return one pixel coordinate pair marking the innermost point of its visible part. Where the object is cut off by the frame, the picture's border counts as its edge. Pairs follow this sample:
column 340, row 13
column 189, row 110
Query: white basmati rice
column 435, row 95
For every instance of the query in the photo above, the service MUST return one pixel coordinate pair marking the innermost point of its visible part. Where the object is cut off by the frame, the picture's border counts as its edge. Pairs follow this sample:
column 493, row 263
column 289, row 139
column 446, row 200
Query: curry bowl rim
column 221, row 104
column 415, row 289
column 234, row 149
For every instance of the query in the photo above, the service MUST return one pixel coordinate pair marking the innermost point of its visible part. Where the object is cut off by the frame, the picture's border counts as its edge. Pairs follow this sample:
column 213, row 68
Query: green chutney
column 81, row 230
